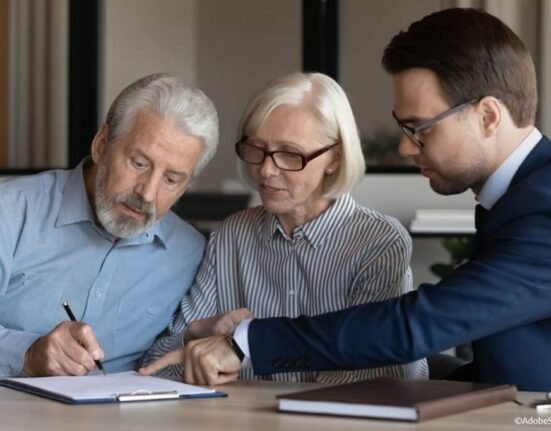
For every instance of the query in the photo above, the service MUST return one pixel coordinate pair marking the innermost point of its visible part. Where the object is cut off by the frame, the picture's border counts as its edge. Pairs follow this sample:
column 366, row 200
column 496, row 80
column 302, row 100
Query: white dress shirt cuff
column 241, row 337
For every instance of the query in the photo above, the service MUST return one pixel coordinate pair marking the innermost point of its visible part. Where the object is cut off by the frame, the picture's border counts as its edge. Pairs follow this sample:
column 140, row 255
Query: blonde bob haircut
column 324, row 98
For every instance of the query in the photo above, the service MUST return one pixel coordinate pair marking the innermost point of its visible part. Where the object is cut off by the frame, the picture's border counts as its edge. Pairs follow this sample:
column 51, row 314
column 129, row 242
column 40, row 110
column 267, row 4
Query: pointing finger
column 172, row 358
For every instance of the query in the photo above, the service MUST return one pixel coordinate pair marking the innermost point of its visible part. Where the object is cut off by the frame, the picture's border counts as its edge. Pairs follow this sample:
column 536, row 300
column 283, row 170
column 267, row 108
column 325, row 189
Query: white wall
column 241, row 45
column 140, row 37
column 366, row 27
column 231, row 48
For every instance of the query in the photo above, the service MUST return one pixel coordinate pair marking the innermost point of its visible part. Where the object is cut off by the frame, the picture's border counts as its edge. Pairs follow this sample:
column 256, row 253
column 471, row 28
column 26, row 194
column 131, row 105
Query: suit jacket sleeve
column 507, row 284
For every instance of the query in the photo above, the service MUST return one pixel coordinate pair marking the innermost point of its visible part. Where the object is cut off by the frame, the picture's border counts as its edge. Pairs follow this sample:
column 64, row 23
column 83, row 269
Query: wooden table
column 249, row 406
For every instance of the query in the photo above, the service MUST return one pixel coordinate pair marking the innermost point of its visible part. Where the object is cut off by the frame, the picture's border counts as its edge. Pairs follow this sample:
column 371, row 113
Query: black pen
column 73, row 318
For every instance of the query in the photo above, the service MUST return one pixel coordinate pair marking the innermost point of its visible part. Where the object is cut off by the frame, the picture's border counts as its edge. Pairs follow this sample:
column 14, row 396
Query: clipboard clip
column 145, row 395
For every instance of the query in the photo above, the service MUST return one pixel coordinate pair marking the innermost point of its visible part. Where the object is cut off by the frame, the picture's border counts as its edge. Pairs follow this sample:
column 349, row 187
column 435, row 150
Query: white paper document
column 117, row 387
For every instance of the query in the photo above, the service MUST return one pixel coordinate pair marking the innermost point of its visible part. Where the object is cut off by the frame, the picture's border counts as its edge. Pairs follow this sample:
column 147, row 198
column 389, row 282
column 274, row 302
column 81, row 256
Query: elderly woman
column 309, row 248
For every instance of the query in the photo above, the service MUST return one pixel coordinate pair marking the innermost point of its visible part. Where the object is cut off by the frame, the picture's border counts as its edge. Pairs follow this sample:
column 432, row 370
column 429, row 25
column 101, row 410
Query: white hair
column 191, row 110
column 322, row 96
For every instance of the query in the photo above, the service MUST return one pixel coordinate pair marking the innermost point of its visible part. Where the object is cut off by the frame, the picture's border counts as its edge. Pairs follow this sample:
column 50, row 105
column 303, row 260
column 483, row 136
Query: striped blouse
column 346, row 256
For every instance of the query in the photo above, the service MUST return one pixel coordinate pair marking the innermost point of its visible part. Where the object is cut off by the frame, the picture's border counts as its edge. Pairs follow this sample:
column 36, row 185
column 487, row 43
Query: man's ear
column 99, row 144
column 490, row 110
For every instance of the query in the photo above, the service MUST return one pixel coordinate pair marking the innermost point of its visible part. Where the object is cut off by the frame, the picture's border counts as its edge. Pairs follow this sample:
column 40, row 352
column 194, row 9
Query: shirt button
column 98, row 294
column 291, row 292
column 7, row 369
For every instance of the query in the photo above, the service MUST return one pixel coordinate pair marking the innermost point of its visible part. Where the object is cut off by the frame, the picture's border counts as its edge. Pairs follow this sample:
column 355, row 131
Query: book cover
column 407, row 400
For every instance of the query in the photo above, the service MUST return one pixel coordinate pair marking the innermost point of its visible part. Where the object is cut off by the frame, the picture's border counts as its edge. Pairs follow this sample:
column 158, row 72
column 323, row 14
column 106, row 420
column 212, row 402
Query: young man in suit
column 465, row 97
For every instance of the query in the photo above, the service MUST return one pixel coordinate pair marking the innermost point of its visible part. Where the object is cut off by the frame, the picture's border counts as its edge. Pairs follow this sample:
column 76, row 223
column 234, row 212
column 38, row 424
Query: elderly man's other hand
column 69, row 349
column 207, row 361
column 222, row 324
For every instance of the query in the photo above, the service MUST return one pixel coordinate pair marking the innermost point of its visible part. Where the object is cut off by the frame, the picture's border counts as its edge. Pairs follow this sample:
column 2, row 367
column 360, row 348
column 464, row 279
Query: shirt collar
column 315, row 231
column 499, row 181
column 75, row 208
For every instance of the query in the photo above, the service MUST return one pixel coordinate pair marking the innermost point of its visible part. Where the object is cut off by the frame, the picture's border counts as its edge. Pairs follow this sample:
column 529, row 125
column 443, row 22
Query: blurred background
column 63, row 61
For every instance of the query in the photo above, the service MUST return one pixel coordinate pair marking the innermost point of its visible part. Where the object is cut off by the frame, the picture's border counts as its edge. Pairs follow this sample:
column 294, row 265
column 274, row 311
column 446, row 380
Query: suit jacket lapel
column 480, row 215
column 516, row 202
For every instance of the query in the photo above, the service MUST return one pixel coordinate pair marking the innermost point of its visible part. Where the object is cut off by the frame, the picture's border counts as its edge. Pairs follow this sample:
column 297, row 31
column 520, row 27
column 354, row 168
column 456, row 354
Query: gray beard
column 121, row 226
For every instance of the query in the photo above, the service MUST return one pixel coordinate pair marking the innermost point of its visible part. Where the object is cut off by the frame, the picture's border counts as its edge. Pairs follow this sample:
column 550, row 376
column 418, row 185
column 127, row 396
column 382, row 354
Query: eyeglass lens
column 282, row 159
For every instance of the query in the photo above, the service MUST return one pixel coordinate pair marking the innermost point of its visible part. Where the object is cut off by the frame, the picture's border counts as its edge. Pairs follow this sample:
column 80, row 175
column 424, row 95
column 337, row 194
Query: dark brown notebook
column 408, row 400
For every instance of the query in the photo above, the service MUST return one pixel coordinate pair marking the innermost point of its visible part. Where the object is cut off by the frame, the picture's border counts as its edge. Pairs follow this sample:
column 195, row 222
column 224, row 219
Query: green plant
column 380, row 148
column 459, row 249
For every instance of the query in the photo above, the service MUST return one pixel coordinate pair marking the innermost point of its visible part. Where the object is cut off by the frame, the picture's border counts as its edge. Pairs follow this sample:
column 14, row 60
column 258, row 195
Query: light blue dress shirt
column 52, row 250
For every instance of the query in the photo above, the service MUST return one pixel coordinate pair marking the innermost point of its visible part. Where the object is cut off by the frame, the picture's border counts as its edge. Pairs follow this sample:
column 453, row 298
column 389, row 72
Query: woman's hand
column 209, row 361
column 222, row 324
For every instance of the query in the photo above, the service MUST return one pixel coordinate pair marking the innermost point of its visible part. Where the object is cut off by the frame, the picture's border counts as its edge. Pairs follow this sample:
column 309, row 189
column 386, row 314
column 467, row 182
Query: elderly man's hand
column 69, row 349
column 222, row 324
column 207, row 361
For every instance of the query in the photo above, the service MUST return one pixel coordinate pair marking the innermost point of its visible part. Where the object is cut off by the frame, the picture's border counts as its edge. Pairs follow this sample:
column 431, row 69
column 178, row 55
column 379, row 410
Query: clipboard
column 114, row 388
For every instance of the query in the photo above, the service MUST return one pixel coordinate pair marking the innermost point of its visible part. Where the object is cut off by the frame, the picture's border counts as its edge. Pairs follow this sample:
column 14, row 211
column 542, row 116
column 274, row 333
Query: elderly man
column 102, row 237
column 465, row 97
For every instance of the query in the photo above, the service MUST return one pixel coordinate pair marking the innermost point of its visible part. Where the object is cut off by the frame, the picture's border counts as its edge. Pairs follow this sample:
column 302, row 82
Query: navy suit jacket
column 500, row 300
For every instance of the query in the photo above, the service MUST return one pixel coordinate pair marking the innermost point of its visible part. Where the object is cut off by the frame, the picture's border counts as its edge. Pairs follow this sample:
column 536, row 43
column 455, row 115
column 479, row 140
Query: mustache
column 136, row 202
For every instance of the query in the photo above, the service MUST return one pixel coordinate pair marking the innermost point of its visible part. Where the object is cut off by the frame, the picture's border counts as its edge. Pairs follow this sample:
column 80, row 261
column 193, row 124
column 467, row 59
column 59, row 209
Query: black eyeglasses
column 412, row 131
column 285, row 160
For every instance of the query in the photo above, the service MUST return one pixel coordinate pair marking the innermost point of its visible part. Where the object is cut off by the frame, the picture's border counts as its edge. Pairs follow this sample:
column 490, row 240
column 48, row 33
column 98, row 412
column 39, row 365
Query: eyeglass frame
column 411, row 131
column 306, row 158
